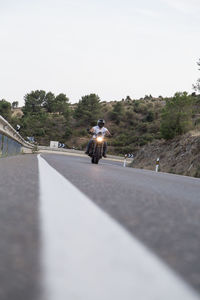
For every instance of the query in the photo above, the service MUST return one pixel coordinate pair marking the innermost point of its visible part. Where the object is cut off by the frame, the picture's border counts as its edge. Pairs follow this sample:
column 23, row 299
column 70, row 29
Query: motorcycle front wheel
column 94, row 160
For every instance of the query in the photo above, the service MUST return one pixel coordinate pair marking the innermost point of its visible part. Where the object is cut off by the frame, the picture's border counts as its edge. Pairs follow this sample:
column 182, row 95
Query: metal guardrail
column 7, row 130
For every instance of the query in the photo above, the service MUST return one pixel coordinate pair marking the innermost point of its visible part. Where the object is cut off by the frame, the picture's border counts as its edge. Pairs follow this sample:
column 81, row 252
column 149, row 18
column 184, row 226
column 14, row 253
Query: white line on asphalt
column 86, row 255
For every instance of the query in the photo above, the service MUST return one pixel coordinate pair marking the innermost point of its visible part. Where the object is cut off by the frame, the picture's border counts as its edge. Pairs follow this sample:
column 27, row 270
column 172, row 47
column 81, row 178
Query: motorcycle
column 96, row 151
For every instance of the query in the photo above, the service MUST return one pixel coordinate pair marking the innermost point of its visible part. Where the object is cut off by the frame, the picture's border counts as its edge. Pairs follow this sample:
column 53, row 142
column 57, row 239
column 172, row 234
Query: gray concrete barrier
column 11, row 142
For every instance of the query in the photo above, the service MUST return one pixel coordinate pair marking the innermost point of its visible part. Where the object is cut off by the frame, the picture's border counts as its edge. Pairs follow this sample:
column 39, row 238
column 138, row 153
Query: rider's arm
column 90, row 130
column 108, row 132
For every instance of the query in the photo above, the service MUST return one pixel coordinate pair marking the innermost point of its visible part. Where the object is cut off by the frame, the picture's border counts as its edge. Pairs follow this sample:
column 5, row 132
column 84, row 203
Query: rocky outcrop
column 179, row 156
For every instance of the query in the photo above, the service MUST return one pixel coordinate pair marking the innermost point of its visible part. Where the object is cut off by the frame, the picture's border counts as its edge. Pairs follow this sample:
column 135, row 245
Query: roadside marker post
column 125, row 157
column 157, row 164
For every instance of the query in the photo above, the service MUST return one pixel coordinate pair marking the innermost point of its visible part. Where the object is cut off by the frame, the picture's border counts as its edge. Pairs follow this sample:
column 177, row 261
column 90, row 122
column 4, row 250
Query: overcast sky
column 113, row 48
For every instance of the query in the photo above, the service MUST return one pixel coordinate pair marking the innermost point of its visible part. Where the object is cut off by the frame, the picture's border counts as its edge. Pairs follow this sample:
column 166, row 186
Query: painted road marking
column 86, row 255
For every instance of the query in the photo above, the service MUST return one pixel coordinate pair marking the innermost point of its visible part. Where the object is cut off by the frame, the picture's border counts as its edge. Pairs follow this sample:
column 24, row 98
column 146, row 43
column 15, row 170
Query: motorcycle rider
column 95, row 130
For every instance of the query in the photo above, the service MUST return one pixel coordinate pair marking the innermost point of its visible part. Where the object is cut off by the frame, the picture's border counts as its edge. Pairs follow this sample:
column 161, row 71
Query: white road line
column 86, row 255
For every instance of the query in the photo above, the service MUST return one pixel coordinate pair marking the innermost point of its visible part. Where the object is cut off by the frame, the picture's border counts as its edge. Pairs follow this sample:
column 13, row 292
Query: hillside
column 148, row 127
column 133, row 123
column 180, row 155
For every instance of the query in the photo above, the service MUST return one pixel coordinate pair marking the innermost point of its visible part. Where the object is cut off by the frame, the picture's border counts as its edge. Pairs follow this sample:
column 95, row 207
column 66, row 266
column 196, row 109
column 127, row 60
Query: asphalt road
column 161, row 210
column 19, row 228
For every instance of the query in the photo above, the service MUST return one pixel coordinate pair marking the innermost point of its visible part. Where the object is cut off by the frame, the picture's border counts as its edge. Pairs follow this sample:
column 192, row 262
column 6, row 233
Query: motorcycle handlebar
column 88, row 130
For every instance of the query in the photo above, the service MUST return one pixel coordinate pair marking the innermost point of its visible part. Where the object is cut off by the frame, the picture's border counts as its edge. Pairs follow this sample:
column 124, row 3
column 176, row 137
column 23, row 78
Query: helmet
column 101, row 123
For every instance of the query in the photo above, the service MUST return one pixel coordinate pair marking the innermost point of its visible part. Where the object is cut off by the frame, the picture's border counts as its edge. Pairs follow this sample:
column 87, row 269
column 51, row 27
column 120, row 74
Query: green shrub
column 149, row 116
column 197, row 173
column 176, row 116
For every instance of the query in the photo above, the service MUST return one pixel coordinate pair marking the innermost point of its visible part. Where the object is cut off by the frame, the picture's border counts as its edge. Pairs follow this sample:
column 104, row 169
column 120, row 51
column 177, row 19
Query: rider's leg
column 89, row 146
column 104, row 149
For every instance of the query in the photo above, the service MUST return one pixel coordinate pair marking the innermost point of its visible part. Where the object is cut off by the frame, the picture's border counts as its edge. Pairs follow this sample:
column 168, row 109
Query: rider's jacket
column 97, row 129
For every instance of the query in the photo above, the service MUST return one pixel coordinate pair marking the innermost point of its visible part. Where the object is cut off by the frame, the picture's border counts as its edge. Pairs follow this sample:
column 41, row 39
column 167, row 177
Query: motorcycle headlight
column 99, row 139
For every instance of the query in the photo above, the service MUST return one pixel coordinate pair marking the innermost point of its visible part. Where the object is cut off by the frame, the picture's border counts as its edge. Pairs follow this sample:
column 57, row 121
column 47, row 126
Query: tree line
column 133, row 122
